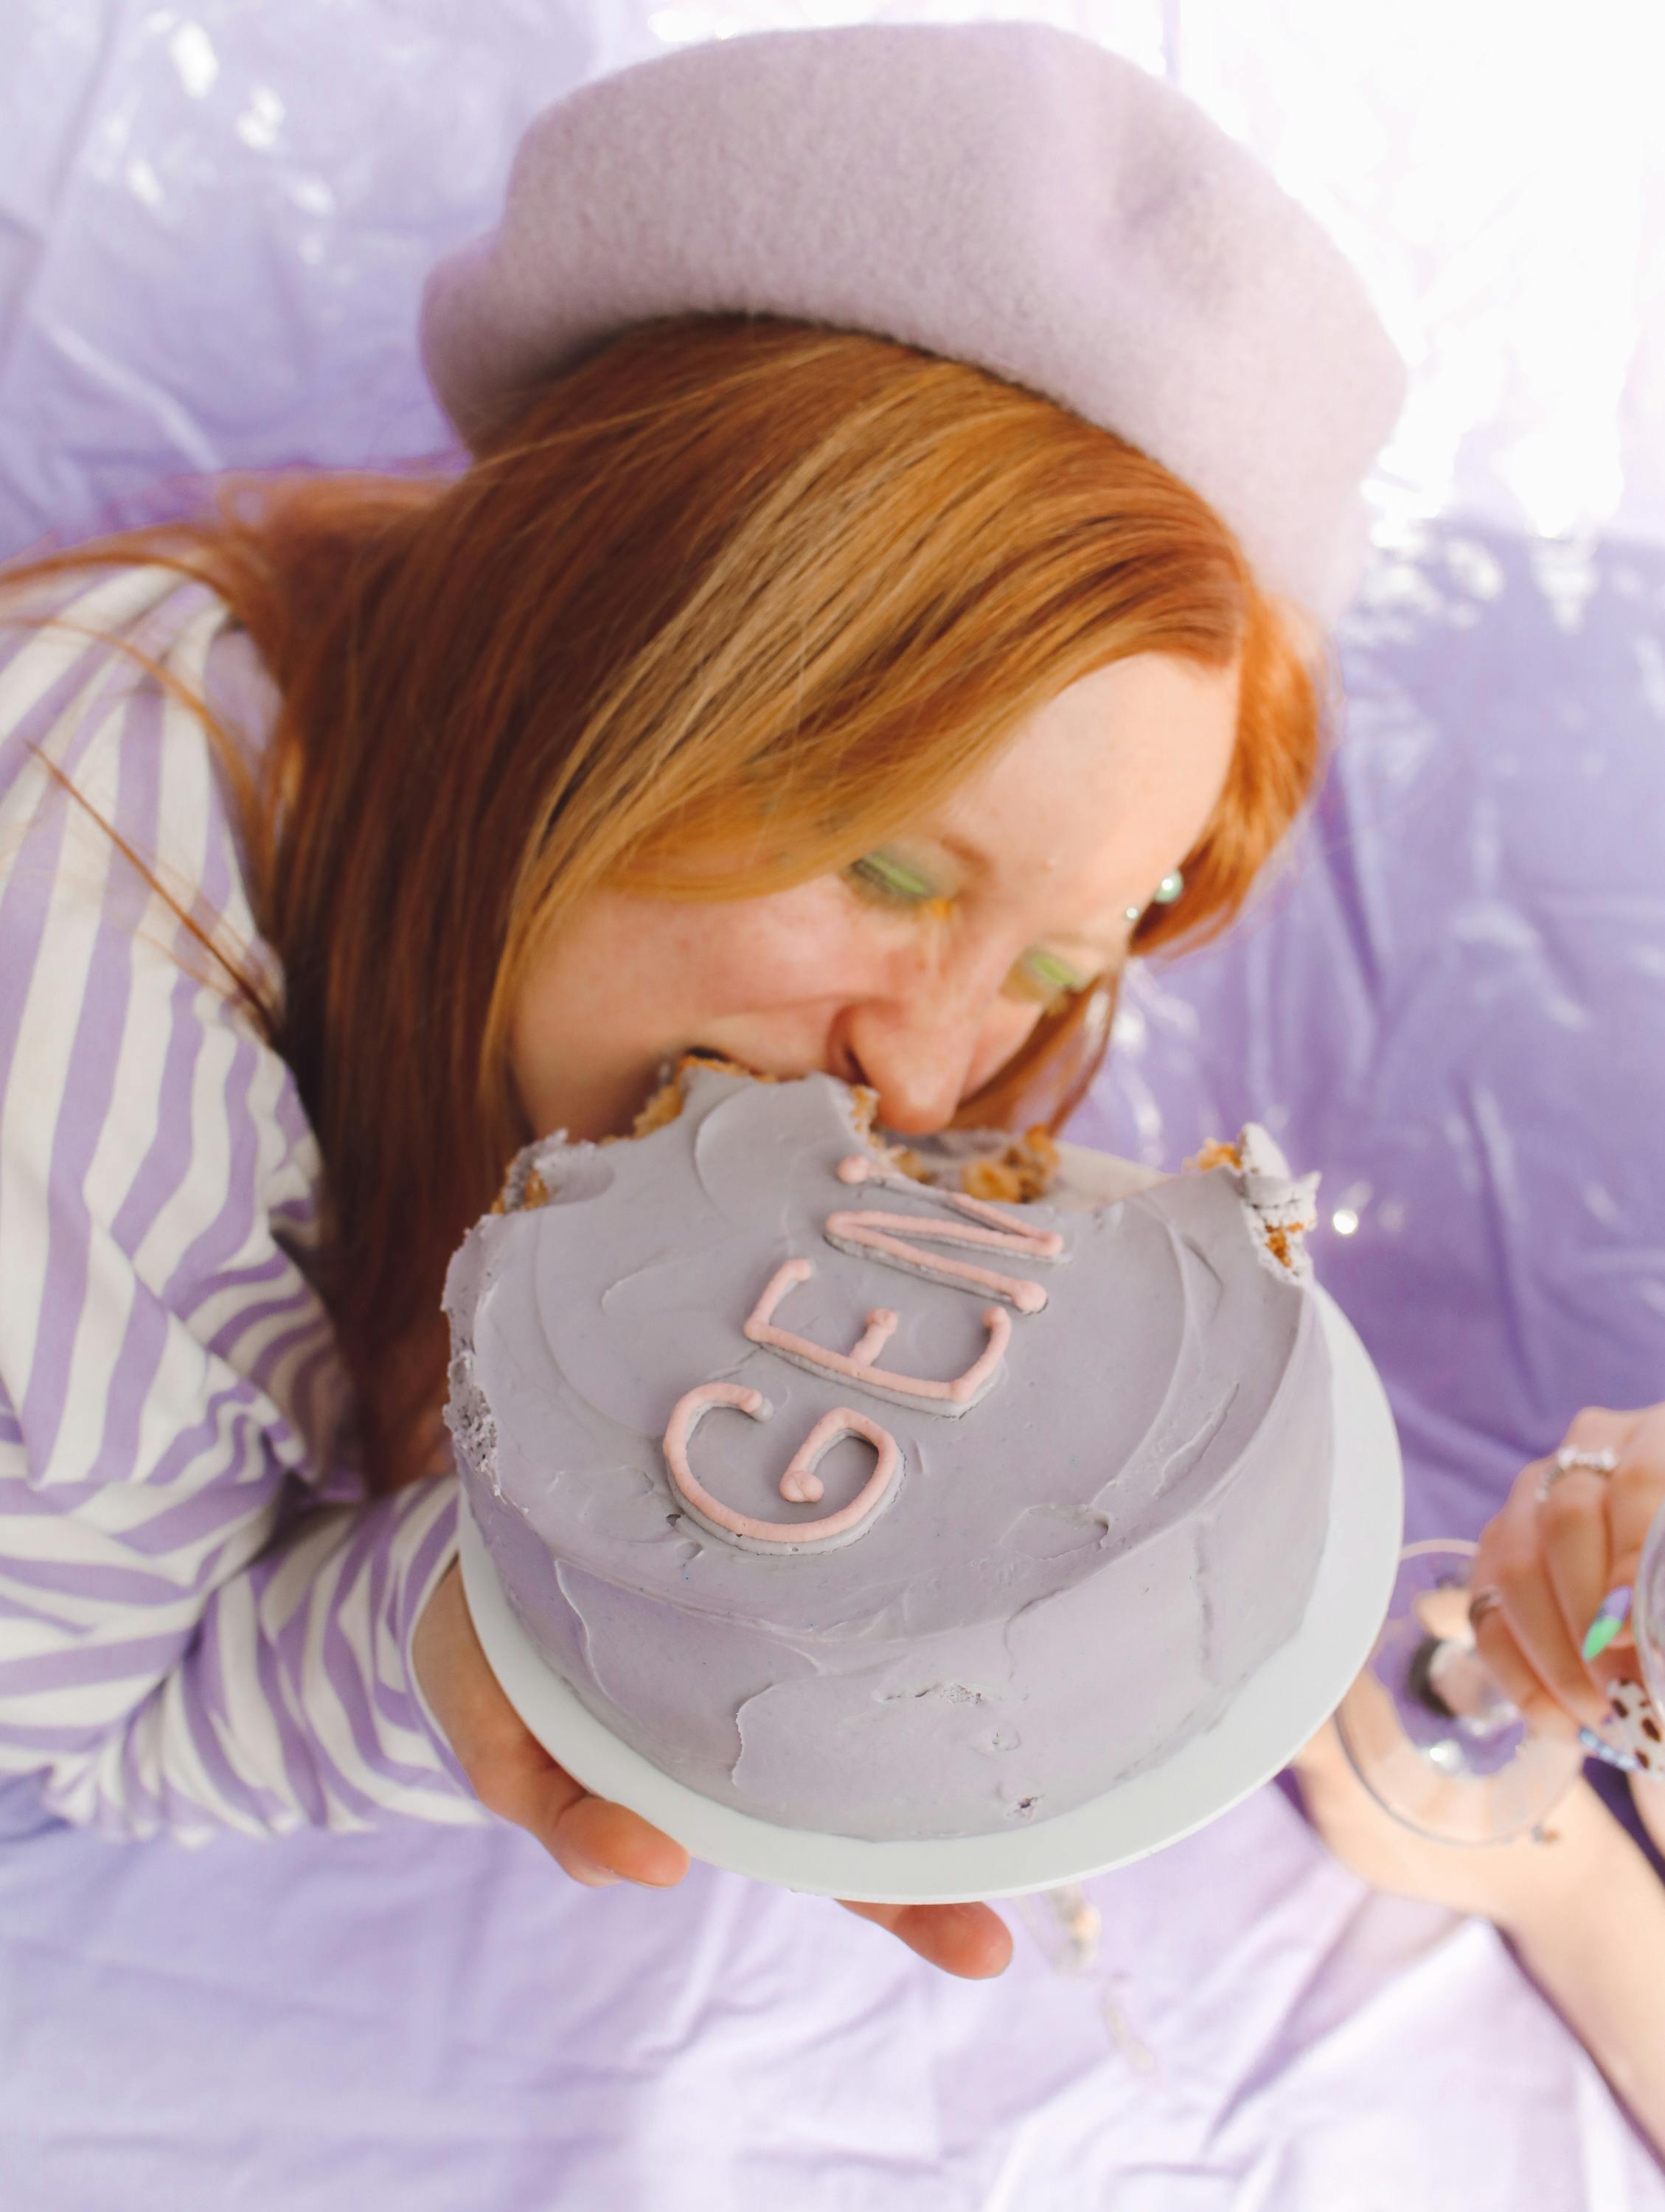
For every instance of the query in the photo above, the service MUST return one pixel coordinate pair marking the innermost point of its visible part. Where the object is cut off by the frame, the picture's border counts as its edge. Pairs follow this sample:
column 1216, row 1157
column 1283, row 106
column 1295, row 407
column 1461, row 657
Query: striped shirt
column 205, row 1622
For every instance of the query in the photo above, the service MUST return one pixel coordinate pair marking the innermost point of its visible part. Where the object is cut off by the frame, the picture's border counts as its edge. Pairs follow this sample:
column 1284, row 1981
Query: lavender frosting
column 1073, row 1576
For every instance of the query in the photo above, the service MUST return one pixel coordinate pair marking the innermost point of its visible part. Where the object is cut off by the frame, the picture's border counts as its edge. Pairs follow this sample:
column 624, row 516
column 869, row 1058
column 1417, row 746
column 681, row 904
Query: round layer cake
column 867, row 1506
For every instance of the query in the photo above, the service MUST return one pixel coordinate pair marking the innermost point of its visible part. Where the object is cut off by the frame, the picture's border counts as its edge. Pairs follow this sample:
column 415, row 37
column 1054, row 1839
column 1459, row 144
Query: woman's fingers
column 1563, row 1541
column 1577, row 1551
column 591, row 1838
column 511, row 1772
column 596, row 1841
column 1552, row 1687
column 1575, row 1520
column 1519, row 1681
column 1635, row 1493
column 968, row 1939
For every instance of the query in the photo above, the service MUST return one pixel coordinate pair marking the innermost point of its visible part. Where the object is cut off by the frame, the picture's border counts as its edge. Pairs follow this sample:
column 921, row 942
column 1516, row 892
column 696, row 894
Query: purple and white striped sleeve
column 204, row 1624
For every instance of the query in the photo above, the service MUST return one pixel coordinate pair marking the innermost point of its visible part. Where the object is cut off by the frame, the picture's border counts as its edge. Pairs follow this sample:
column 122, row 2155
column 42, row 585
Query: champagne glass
column 1430, row 1731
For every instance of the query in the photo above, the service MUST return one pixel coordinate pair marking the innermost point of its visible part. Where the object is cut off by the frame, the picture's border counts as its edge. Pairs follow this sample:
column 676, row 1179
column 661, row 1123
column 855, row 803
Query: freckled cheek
column 779, row 959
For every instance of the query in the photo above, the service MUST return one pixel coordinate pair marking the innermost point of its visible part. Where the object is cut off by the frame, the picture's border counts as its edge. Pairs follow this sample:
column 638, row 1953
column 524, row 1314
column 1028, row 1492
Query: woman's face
column 924, row 966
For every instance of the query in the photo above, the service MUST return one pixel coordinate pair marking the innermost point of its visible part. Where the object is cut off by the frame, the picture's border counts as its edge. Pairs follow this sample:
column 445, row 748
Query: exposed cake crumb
column 1023, row 1171
column 991, row 1179
column 1215, row 1154
column 1278, row 1206
column 469, row 1418
column 1044, row 1147
column 523, row 1186
column 666, row 1102
column 661, row 1109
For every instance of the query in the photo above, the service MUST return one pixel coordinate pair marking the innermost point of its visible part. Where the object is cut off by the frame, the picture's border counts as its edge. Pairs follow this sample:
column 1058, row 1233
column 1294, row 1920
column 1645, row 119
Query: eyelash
column 1029, row 980
column 877, row 877
column 1040, row 976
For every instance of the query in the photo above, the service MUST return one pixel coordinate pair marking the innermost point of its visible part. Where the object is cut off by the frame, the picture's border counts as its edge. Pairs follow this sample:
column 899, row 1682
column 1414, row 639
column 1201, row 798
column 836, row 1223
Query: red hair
column 731, row 584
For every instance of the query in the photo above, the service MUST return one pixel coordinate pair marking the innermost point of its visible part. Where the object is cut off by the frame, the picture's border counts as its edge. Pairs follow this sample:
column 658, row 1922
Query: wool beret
column 1005, row 194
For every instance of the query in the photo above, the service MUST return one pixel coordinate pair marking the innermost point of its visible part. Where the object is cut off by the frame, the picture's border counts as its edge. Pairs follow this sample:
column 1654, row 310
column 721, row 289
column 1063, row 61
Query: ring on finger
column 1570, row 1459
column 1601, row 1462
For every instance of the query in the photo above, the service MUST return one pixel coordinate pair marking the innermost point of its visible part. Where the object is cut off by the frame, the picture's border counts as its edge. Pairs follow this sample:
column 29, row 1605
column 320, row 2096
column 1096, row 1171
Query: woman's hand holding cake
column 596, row 1842
column 511, row 1772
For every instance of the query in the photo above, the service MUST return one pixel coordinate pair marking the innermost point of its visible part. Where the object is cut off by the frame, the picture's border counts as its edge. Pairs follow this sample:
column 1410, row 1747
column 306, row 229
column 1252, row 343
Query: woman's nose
column 923, row 1056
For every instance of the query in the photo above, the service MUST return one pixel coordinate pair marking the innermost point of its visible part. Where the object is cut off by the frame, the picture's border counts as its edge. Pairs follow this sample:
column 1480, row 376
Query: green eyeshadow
column 883, row 871
column 1052, row 974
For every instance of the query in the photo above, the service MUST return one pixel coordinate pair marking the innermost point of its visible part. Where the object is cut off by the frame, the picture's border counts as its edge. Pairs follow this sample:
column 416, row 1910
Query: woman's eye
column 1044, row 975
column 882, row 876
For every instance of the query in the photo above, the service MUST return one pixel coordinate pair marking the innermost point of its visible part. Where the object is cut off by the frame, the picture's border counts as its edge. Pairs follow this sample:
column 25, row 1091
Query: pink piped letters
column 1044, row 1243
column 950, row 1397
column 800, row 1482
column 870, row 1231
column 985, row 1227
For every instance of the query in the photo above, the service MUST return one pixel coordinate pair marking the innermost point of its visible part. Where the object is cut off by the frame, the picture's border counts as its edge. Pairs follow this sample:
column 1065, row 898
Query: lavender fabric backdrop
column 212, row 225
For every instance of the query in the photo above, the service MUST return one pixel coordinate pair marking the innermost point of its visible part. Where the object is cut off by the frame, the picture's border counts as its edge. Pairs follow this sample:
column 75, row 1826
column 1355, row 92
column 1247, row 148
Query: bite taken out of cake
column 865, row 1501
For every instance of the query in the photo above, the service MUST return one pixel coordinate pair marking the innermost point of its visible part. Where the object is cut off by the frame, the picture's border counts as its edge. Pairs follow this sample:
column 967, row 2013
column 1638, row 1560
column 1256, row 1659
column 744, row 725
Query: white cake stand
column 1281, row 1704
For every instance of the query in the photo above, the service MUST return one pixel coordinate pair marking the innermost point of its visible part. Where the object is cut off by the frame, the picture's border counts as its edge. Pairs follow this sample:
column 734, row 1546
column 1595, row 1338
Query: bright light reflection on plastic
column 1343, row 1221
column 194, row 57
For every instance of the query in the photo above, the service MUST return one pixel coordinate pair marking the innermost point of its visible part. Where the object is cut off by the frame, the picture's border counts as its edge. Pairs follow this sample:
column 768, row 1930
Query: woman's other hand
column 1553, row 1558
column 1583, row 1908
column 1512, row 1884
column 595, row 1841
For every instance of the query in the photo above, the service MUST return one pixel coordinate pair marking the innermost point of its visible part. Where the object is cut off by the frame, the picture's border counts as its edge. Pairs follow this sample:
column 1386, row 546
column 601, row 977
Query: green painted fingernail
column 1614, row 1611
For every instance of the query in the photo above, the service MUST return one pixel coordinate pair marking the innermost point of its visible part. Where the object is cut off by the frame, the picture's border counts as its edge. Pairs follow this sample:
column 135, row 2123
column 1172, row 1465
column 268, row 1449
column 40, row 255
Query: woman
column 788, row 684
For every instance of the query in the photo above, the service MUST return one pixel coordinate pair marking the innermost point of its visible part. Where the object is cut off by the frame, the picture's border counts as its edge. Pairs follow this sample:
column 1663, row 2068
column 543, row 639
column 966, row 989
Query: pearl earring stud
column 1164, row 895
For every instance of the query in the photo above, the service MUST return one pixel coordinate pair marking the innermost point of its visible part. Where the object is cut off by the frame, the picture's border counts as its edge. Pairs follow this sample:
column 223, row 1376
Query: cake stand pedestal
column 1282, row 1704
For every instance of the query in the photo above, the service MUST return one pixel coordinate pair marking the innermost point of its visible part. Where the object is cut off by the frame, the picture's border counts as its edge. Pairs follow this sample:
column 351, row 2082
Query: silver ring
column 1603, row 1461
column 1570, row 1459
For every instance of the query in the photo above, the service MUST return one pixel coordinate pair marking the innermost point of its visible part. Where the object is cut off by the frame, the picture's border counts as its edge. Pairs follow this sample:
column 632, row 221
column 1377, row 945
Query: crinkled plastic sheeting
column 212, row 223
column 1454, row 1004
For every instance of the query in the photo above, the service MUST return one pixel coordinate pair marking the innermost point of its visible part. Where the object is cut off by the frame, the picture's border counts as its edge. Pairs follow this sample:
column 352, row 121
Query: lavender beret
column 1005, row 194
